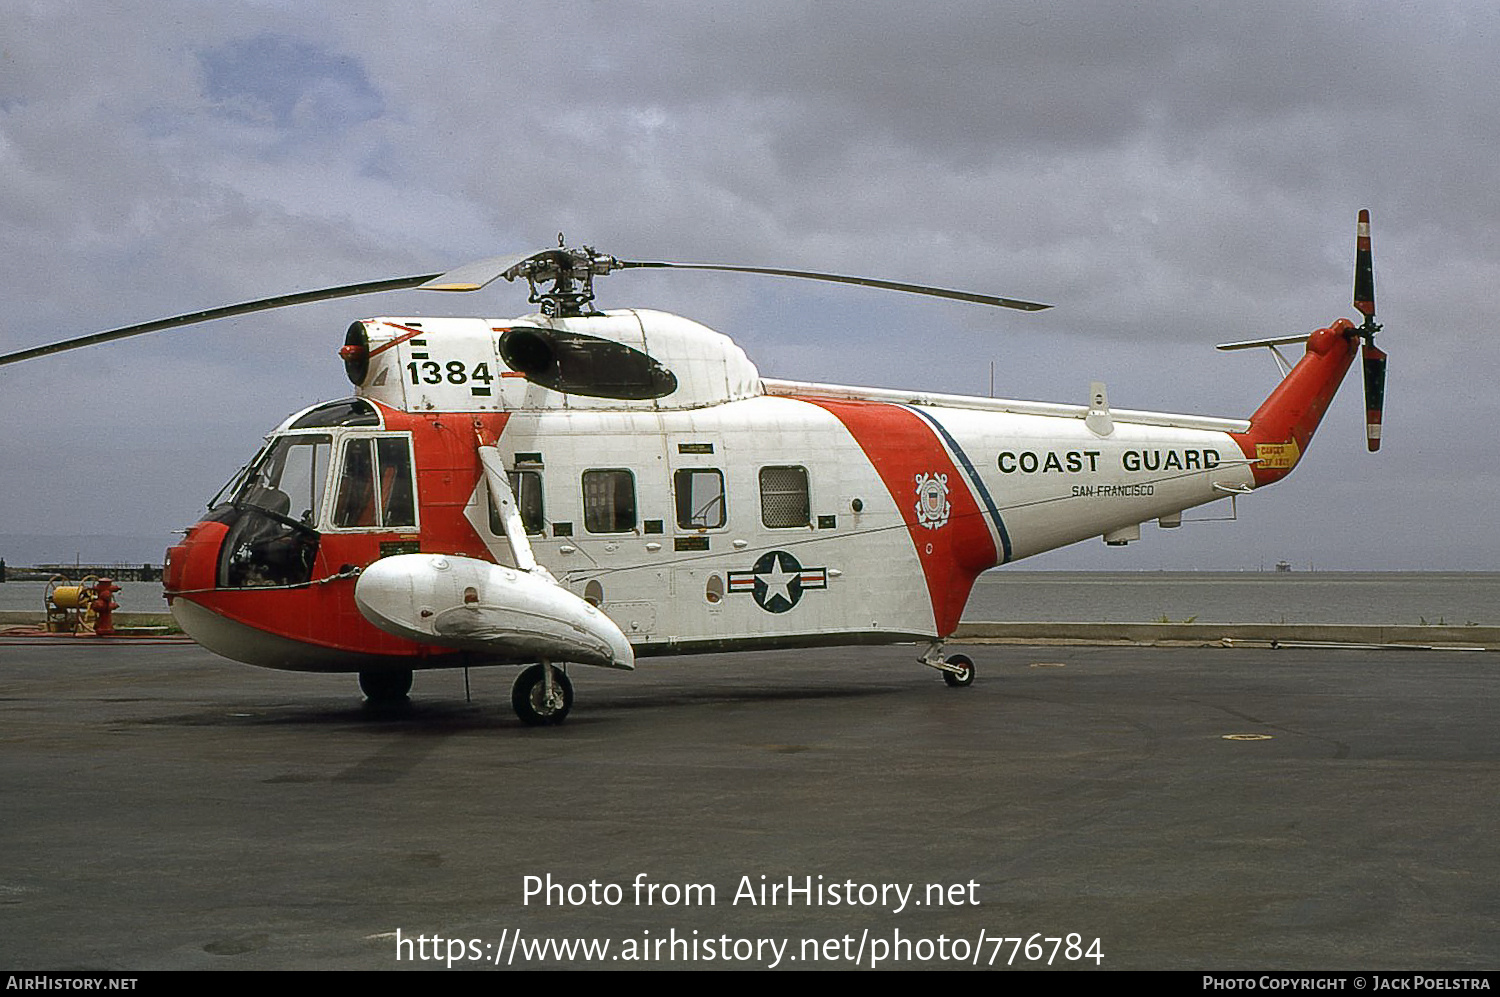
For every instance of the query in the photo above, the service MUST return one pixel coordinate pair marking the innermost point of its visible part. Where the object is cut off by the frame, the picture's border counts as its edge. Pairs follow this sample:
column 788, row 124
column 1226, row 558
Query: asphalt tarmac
column 161, row 808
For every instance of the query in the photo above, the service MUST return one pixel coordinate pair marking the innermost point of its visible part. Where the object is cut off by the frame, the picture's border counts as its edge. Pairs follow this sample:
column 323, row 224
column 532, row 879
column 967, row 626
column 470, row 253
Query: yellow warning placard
column 1279, row 456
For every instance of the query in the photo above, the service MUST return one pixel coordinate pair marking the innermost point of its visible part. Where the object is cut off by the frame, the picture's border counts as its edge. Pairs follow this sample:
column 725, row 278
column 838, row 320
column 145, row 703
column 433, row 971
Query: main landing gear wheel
column 385, row 688
column 533, row 705
column 965, row 675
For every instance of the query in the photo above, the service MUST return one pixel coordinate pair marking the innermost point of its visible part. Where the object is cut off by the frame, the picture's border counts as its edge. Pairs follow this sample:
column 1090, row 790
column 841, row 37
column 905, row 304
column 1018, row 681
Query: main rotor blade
column 473, row 276
column 889, row 285
column 192, row 318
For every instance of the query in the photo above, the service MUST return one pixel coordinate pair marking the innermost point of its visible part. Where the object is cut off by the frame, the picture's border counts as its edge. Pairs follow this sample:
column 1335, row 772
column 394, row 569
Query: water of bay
column 1399, row 598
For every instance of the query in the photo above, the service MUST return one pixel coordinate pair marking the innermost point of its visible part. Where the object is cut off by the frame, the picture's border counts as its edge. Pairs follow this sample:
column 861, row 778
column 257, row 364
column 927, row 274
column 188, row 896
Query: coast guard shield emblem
column 932, row 500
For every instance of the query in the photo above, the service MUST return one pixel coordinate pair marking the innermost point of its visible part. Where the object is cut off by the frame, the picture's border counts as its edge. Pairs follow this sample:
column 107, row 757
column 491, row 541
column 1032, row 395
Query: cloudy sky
column 1170, row 174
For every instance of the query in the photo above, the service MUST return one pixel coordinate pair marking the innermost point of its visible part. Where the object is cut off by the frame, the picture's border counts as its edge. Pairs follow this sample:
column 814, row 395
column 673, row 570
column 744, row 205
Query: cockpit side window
column 273, row 516
column 393, row 471
column 375, row 484
column 355, row 503
column 290, row 478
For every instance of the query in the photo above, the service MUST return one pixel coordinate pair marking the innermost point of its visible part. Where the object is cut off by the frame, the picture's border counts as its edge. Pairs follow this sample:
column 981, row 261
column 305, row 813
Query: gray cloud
column 1171, row 175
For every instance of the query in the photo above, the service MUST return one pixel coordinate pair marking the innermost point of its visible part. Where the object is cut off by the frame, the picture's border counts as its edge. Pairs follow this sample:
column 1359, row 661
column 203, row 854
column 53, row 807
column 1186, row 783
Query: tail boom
column 1283, row 426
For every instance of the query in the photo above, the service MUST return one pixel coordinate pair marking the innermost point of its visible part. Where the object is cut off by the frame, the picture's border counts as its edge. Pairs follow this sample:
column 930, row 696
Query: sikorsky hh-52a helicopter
column 577, row 486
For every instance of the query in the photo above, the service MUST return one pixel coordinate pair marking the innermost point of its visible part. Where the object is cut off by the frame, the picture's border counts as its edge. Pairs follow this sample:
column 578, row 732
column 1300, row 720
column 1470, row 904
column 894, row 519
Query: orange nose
column 192, row 566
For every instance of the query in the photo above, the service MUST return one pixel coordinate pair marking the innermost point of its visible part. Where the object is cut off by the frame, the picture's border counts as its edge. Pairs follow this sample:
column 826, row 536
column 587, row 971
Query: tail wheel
column 965, row 674
column 385, row 687
column 531, row 701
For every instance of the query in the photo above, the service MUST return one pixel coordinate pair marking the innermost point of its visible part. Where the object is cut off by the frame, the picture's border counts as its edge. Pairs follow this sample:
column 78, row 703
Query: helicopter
column 586, row 487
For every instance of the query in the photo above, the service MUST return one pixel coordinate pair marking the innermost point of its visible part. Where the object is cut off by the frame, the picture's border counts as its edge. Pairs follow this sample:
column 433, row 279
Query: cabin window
column 700, row 498
column 526, row 486
column 608, row 501
column 783, row 497
column 375, row 484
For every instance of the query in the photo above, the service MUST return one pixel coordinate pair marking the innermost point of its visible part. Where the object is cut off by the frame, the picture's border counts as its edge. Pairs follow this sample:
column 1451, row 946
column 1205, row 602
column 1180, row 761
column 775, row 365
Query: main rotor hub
column 571, row 273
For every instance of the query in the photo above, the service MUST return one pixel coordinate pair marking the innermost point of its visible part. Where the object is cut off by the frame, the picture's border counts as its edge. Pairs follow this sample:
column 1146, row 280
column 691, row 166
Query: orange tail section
column 1281, row 429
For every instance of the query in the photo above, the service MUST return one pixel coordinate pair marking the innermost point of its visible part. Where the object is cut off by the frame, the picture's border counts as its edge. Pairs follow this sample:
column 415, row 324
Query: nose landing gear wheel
column 965, row 676
column 384, row 688
column 530, row 699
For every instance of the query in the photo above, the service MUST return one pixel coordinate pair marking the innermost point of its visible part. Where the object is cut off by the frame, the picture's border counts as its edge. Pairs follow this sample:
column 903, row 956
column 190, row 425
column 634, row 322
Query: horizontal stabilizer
column 1250, row 344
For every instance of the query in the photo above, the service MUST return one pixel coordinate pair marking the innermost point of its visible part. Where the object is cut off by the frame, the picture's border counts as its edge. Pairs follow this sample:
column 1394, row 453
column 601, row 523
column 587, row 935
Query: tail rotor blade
column 1373, row 357
column 1364, row 270
column 1374, row 362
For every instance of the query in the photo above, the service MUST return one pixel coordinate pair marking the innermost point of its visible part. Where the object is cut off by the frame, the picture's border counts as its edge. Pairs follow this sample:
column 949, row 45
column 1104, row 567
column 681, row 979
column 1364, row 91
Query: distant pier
column 78, row 572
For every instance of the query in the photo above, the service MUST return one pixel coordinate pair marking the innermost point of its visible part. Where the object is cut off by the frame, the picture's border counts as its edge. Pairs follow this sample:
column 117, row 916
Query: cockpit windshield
column 232, row 486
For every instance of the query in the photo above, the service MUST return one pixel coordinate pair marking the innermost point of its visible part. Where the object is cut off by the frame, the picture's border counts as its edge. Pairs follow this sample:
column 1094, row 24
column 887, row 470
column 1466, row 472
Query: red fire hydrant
column 104, row 606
